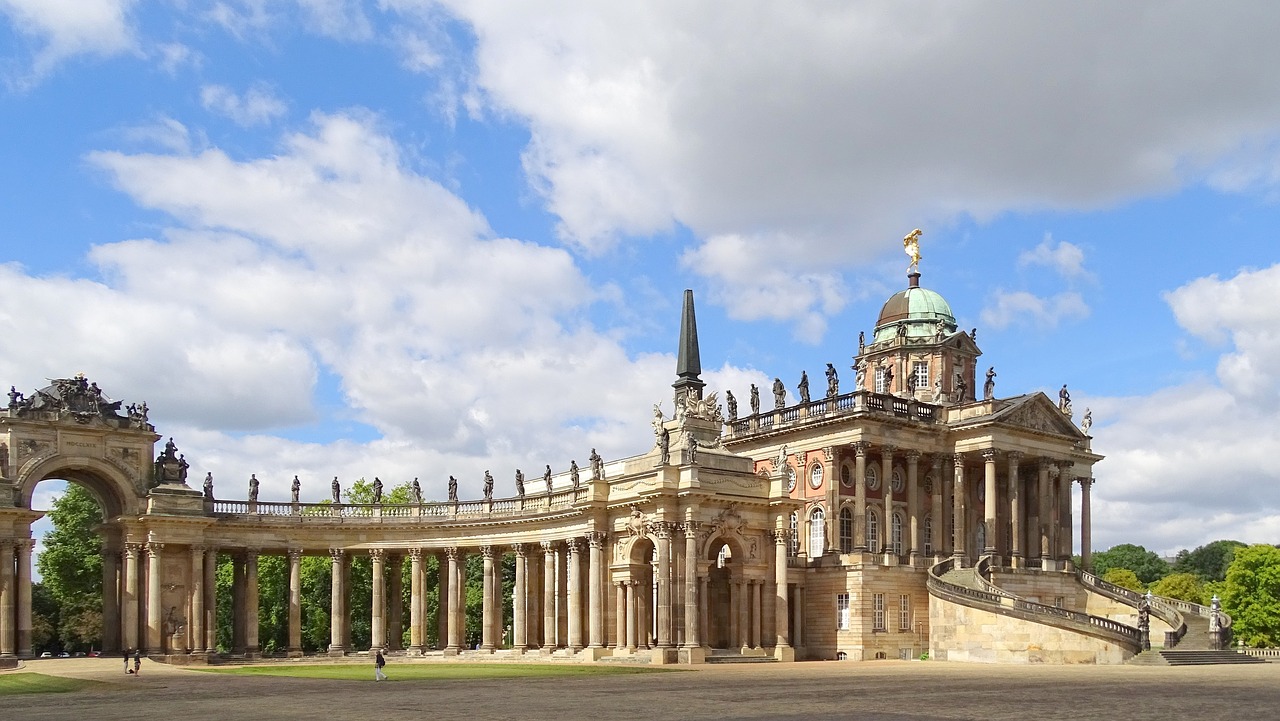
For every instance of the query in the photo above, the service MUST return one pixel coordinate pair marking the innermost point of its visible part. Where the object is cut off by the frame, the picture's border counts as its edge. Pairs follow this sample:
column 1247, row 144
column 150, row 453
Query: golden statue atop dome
column 911, row 244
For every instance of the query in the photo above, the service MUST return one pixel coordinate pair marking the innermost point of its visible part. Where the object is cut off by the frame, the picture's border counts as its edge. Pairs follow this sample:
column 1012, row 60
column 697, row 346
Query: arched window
column 895, row 534
column 873, row 479
column 873, row 532
column 928, row 535
column 981, row 539
column 846, row 531
column 795, row 535
column 817, row 533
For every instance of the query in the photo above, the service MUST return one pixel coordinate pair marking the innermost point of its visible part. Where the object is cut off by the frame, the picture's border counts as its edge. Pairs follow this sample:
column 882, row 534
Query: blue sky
column 407, row 238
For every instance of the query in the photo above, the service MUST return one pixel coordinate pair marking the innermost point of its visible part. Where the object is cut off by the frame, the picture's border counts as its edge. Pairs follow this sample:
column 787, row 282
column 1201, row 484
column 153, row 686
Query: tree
column 1209, row 561
column 70, row 563
column 1124, row 578
column 1146, row 565
column 1182, row 586
column 1252, row 595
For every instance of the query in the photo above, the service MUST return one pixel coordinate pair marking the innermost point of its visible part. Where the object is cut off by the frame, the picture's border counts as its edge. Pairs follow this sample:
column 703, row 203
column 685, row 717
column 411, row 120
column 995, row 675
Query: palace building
column 908, row 512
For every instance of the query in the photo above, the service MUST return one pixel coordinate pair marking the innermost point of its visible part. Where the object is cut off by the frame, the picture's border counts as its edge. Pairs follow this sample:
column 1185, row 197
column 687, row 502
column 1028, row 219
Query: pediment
column 1037, row 413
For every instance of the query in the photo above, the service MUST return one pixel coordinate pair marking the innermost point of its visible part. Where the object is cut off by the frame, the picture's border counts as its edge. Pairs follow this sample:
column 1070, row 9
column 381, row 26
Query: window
column 928, row 535
column 873, row 479
column 882, row 380
column 877, row 612
column 895, row 534
column 842, row 612
column 846, row 531
column 817, row 533
column 920, row 369
column 904, row 612
column 981, row 538
column 791, row 478
column 873, row 532
column 795, row 535
column 895, row 481
column 815, row 475
column 846, row 476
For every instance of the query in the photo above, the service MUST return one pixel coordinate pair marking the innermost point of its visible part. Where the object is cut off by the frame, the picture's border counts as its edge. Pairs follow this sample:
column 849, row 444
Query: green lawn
column 16, row 683
column 432, row 671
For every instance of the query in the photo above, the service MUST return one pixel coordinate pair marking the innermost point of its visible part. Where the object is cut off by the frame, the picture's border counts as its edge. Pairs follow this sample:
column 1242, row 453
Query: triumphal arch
column 908, row 514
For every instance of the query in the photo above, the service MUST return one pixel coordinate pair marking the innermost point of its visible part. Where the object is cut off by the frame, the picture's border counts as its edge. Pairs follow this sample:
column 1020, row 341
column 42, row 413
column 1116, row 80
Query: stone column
column 1045, row 550
column 633, row 622
column 211, row 600
column 416, row 620
column 1086, row 524
column 704, row 616
column 295, row 602
column 958, row 545
column 22, row 549
column 575, row 594
column 781, row 538
column 251, row 602
column 936, row 506
column 797, row 619
column 991, row 514
column 129, row 598
column 548, row 596
column 1015, row 511
column 395, row 602
column 663, row 530
column 337, row 602
column 8, row 601
column 443, row 590
column 595, row 581
column 154, row 609
column 691, row 621
column 1065, row 525
column 378, row 605
column 860, row 496
column 913, row 503
column 111, row 601
column 489, row 606
column 886, row 487
column 520, row 600
column 757, row 600
column 453, row 613
column 237, row 604
column 620, row 617
column 195, row 639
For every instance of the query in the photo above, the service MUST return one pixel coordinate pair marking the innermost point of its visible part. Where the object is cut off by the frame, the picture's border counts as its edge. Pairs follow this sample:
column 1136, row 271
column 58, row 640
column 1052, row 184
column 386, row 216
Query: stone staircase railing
column 1004, row 603
column 1161, row 607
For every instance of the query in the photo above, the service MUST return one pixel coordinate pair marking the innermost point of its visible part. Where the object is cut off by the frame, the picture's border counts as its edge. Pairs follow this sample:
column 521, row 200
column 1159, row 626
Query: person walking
column 126, row 661
column 378, row 663
column 137, row 661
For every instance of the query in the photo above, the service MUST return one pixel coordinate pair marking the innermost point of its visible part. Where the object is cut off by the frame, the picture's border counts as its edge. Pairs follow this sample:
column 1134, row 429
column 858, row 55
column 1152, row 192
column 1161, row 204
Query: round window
column 873, row 480
column 791, row 477
column 846, row 476
column 896, row 481
column 815, row 475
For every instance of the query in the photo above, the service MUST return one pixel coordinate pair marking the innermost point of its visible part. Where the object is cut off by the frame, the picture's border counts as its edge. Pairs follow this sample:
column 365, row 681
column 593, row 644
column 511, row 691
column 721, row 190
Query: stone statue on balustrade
column 962, row 388
column 732, row 404
column 1144, row 621
column 519, row 483
column 911, row 384
column 664, row 447
column 416, row 489
column 938, row 395
column 888, row 378
column 989, row 387
column 691, row 447
column 336, row 489
column 860, row 375
column 657, row 419
column 833, row 382
column 803, row 388
column 546, row 478
column 253, row 488
column 755, row 400
column 377, row 490
column 779, row 394
column 183, row 467
column 1087, row 423
column 597, row 466
column 573, row 474
column 862, row 341
column 1064, row 401
column 488, row 486
column 453, row 489
column 208, row 486
column 296, row 489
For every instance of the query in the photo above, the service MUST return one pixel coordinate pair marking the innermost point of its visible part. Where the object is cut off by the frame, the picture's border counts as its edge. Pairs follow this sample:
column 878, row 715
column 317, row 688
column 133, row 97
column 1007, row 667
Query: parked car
column 64, row 654
column 47, row 654
column 94, row 654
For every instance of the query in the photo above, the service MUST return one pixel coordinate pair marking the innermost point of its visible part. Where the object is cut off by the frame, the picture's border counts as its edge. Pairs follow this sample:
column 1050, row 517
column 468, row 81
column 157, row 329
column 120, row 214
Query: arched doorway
column 724, row 594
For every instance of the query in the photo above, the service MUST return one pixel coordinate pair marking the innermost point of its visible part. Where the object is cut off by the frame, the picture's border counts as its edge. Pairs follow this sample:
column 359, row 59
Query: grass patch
column 12, row 684
column 433, row 671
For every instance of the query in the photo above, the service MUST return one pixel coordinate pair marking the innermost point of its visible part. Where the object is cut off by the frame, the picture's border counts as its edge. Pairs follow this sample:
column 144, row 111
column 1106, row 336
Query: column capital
column 251, row 553
column 887, row 451
column 662, row 529
column 295, row 554
column 453, row 553
column 574, row 545
column 781, row 536
column 415, row 554
column 860, row 448
column 1015, row 456
column 989, row 454
column 830, row 453
column 154, row 549
column 132, row 549
column 488, row 552
column 1065, row 465
column 596, row 539
column 520, row 549
column 1085, row 482
column 23, row 544
column 958, row 460
column 378, row 554
column 935, row 461
column 336, row 553
column 548, row 547
column 913, row 456
column 691, row 528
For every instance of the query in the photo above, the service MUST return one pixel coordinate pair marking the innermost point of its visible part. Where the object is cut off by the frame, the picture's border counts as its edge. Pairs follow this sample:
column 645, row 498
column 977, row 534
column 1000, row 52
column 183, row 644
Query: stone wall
column 961, row 633
column 861, row 641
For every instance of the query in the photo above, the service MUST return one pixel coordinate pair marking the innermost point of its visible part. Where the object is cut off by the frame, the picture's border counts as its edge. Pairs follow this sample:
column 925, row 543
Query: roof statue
column 911, row 244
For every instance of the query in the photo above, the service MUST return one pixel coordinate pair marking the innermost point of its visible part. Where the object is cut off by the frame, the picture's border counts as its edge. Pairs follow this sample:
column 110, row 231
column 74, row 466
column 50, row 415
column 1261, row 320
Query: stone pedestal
column 786, row 654
column 664, row 656
column 594, row 653
column 692, row 655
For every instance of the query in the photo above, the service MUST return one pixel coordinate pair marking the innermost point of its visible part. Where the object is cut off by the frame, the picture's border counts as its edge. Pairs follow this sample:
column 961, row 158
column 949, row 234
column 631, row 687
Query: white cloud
column 1066, row 259
column 1007, row 308
column 339, row 19
column 173, row 56
column 257, row 106
column 71, row 27
column 842, row 125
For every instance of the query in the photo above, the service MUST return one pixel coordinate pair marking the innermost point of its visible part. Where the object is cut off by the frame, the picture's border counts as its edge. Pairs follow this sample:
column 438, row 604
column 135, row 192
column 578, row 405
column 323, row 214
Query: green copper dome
column 919, row 310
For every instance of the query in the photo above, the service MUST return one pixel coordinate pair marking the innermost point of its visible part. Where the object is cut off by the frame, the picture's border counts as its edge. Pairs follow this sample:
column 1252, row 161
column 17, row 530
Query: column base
column 1048, row 564
column 451, row 651
column 594, row 653
column 414, row 650
column 786, row 654
column 518, row 652
column 692, row 655
column 664, row 656
column 1017, row 562
column 337, row 651
column 293, row 653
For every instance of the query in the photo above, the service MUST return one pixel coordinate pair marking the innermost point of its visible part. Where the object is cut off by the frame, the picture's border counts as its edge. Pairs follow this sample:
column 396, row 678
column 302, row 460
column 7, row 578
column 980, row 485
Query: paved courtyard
column 874, row 691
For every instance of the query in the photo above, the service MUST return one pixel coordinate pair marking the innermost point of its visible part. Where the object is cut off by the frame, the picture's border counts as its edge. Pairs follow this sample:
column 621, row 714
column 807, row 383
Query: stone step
column 738, row 658
column 1202, row 658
